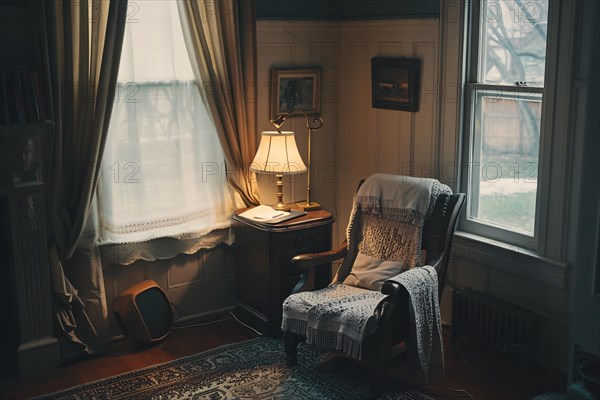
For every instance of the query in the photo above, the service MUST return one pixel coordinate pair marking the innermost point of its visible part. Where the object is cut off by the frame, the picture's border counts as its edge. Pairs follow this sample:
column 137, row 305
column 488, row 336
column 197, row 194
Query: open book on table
column 268, row 215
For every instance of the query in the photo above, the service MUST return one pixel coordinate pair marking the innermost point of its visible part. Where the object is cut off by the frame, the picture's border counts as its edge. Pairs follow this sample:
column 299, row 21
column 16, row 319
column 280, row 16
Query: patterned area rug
column 254, row 369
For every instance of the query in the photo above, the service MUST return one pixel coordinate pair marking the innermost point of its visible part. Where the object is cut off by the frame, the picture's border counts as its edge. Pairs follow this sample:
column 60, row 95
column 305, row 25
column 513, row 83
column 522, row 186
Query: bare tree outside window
column 514, row 42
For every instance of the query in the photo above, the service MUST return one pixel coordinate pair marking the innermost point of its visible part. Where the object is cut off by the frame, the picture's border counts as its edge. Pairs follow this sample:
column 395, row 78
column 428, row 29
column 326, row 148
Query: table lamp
column 278, row 154
column 317, row 122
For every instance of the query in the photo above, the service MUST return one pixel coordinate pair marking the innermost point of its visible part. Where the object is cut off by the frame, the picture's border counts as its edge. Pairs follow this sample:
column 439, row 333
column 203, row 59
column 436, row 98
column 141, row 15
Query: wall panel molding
column 379, row 140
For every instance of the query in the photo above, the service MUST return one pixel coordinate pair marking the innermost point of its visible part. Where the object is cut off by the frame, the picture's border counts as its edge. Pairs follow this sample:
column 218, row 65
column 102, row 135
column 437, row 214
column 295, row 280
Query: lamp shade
column 278, row 154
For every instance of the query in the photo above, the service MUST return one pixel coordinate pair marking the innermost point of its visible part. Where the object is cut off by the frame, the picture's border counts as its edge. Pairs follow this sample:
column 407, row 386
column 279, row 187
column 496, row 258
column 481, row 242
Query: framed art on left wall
column 295, row 89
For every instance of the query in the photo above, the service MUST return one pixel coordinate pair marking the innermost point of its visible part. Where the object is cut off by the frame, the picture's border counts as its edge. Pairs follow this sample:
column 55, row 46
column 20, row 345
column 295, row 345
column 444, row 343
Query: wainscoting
column 198, row 284
column 515, row 275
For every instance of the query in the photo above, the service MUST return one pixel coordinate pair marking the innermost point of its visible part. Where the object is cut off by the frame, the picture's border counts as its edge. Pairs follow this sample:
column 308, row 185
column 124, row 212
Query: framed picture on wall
column 295, row 89
column 395, row 83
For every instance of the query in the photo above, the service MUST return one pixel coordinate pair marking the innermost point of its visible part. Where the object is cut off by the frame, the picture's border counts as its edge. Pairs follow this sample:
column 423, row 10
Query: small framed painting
column 395, row 83
column 295, row 89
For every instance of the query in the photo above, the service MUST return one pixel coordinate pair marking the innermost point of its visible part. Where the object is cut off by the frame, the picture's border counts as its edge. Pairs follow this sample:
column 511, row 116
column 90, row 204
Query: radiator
column 487, row 319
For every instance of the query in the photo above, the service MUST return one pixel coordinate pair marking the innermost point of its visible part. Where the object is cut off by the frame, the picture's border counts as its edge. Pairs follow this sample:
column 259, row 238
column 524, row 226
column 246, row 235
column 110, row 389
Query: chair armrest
column 391, row 288
column 309, row 263
column 306, row 261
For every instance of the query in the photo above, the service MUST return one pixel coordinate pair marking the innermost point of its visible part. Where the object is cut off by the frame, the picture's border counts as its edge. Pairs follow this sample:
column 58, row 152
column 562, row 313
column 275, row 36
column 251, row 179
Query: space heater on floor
column 144, row 312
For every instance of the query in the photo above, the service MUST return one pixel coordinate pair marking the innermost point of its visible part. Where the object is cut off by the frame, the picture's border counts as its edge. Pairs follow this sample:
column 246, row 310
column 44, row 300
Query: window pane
column 163, row 169
column 514, row 42
column 505, row 159
column 153, row 40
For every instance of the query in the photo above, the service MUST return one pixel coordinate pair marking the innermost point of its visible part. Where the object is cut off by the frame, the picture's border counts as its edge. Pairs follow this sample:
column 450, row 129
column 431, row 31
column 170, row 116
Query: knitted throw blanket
column 424, row 342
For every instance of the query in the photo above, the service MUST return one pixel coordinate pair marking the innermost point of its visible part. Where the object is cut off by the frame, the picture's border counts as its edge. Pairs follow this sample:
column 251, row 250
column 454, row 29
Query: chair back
column 438, row 231
column 436, row 240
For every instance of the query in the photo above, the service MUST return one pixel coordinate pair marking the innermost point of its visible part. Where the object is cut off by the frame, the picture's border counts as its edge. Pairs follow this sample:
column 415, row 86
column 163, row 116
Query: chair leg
column 290, row 345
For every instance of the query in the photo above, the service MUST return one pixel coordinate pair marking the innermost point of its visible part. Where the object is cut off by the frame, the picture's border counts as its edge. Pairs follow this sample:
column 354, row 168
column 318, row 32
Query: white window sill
column 511, row 259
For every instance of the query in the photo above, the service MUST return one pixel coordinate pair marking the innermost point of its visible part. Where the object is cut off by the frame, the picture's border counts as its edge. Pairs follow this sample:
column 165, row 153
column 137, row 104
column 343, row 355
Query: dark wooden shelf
column 28, row 344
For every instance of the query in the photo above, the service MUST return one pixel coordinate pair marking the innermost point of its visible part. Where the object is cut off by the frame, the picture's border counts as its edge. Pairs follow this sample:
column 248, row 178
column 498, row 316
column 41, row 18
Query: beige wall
column 198, row 284
column 301, row 45
column 356, row 139
column 378, row 140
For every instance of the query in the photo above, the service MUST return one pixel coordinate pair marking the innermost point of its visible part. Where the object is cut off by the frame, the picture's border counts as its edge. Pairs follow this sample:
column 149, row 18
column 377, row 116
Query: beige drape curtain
column 221, row 40
column 84, row 48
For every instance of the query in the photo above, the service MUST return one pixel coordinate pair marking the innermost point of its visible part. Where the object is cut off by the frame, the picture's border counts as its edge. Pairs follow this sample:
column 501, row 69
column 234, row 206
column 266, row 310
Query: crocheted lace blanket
column 424, row 342
column 337, row 317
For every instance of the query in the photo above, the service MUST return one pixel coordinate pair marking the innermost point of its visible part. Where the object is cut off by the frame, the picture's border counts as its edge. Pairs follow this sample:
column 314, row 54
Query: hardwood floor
column 489, row 374
column 125, row 356
column 486, row 374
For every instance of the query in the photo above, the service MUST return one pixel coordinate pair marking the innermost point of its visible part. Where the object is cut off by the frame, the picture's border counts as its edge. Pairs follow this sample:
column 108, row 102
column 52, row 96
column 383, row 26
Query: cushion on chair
column 370, row 272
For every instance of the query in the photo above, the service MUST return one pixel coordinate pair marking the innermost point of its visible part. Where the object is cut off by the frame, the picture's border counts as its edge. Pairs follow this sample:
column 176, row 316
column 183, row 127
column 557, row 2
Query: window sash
column 475, row 170
column 471, row 138
column 513, row 14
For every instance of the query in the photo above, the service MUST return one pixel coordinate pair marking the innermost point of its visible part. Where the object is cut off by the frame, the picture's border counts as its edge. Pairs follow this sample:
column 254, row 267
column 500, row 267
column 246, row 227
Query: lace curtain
column 163, row 171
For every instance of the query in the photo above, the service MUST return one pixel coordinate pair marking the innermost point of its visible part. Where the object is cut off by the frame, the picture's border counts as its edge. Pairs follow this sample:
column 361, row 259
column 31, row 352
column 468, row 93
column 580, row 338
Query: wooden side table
column 264, row 275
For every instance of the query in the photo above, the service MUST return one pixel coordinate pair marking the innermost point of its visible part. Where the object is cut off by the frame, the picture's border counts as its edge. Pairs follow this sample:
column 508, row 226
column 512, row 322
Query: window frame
column 473, row 31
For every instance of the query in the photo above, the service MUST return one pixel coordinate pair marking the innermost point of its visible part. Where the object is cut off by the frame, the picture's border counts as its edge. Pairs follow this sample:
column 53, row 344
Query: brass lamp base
column 309, row 206
column 280, row 206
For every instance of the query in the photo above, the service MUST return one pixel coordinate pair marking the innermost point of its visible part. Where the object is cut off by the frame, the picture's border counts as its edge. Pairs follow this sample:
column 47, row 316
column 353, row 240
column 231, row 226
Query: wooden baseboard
column 39, row 355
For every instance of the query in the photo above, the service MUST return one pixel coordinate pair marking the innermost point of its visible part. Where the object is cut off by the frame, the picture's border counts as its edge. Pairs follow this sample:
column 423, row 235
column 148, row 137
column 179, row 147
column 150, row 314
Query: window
column 163, row 166
column 503, row 114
